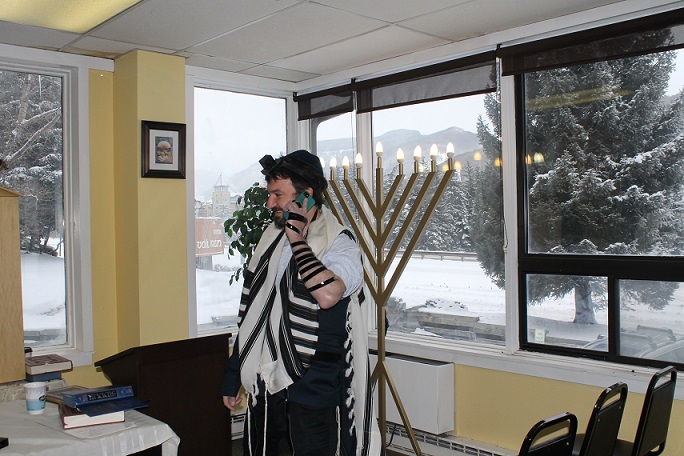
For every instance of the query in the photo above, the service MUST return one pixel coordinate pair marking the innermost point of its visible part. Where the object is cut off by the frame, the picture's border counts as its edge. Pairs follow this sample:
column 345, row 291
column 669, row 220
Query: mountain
column 465, row 144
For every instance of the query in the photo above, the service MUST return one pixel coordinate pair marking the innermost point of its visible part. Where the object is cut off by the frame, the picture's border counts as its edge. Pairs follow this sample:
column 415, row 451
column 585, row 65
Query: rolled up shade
column 660, row 32
column 467, row 76
column 456, row 78
column 325, row 103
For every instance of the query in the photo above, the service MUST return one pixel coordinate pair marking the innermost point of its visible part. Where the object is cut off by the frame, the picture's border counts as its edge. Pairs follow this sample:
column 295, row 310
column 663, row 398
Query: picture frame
column 163, row 149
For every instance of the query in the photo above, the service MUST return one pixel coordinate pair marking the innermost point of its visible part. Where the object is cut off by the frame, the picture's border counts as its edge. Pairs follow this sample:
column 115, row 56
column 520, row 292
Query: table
column 37, row 435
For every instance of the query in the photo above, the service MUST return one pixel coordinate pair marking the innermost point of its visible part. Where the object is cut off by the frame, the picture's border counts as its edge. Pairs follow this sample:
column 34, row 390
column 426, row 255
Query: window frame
column 613, row 267
column 74, row 71
column 197, row 77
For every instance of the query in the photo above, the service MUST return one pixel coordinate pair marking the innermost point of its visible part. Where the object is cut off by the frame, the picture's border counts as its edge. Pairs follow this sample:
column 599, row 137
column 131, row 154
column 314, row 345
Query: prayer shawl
column 279, row 352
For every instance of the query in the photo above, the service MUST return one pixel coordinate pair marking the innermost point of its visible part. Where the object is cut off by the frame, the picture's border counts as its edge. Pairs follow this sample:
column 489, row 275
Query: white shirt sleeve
column 344, row 259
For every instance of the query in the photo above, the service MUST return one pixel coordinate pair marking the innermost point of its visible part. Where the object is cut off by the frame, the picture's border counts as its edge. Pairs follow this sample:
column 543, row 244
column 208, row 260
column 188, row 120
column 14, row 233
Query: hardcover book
column 74, row 418
column 56, row 395
column 114, row 405
column 94, row 395
column 41, row 364
column 46, row 377
column 103, row 400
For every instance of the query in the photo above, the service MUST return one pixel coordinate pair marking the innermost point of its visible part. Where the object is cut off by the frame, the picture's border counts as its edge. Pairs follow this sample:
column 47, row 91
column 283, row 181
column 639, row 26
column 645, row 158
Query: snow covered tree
column 31, row 148
column 604, row 172
column 486, row 192
column 448, row 229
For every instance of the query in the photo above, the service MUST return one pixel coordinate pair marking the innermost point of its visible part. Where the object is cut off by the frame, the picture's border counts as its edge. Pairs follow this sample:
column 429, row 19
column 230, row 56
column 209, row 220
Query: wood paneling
column 11, row 311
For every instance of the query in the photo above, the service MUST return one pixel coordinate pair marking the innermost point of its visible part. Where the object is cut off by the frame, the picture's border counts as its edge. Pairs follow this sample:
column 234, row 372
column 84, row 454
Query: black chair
column 655, row 417
column 604, row 423
column 560, row 430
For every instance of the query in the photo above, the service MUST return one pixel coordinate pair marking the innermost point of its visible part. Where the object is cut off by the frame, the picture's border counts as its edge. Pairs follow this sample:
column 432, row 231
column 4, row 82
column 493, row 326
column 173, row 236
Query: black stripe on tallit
column 291, row 358
column 260, row 326
column 257, row 281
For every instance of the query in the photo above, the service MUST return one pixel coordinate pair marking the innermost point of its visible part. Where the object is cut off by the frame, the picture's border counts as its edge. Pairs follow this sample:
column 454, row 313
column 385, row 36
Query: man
column 301, row 352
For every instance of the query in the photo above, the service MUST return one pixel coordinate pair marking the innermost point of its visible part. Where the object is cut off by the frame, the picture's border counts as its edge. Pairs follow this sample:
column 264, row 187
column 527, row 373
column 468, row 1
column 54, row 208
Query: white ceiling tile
column 391, row 10
column 112, row 47
column 178, row 24
column 27, row 35
column 388, row 42
column 293, row 31
column 281, row 74
column 467, row 21
column 205, row 61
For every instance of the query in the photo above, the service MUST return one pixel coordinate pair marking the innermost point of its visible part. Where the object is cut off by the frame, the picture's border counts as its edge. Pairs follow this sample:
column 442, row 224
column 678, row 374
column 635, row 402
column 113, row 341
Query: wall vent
column 426, row 389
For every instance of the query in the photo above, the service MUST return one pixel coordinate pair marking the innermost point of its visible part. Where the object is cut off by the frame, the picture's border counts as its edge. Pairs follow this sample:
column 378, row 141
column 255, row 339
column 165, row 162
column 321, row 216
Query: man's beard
column 278, row 219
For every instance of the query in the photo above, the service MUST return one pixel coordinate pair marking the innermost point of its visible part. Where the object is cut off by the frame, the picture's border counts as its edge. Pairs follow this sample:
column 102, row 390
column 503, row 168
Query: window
column 42, row 162
column 232, row 132
column 442, row 291
column 453, row 284
column 32, row 153
column 601, row 261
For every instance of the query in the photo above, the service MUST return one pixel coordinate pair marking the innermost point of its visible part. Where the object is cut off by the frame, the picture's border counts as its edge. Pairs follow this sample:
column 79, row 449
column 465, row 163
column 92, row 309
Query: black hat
column 307, row 158
column 300, row 162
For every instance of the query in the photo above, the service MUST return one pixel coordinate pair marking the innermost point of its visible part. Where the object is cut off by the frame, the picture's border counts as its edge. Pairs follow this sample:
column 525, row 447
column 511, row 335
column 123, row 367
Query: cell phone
column 300, row 199
column 304, row 195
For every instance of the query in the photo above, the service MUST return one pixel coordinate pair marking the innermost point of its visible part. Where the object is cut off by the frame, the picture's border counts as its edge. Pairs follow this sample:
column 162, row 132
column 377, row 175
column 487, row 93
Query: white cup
column 35, row 397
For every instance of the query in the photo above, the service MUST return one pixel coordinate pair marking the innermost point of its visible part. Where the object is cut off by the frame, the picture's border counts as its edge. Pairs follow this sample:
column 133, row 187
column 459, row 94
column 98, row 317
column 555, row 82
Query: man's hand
column 232, row 402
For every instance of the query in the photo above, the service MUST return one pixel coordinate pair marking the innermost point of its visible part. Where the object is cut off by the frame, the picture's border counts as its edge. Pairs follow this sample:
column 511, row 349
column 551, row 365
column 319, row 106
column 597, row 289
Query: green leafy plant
column 247, row 225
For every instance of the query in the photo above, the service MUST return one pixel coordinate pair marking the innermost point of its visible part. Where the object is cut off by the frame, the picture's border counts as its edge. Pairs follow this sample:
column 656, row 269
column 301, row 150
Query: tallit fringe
column 349, row 372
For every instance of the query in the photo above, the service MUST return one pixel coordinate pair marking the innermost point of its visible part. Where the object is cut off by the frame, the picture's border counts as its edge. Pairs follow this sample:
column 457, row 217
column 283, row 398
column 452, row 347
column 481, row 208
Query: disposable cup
column 35, row 397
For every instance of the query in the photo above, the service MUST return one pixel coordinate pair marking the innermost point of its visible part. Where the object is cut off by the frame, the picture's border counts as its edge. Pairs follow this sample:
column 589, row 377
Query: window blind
column 660, row 32
column 456, row 78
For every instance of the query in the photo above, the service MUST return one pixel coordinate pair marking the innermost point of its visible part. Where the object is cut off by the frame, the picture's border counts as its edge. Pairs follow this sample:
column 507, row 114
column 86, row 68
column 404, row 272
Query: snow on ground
column 453, row 287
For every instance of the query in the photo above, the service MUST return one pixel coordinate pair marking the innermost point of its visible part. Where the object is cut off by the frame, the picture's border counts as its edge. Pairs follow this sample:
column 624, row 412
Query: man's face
column 280, row 192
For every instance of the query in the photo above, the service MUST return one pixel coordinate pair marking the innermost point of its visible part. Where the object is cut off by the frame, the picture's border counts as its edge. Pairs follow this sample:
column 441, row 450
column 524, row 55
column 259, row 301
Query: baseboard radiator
column 438, row 445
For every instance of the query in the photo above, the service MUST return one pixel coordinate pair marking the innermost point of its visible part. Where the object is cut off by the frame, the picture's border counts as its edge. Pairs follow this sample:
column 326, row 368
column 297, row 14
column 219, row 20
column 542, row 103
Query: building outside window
column 232, row 132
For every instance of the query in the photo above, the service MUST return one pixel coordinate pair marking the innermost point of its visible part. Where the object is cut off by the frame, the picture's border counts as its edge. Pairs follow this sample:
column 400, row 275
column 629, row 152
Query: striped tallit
column 278, row 348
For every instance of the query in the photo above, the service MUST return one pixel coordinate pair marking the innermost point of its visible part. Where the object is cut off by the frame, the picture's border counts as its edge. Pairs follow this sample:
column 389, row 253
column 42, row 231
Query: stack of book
column 79, row 406
column 43, row 368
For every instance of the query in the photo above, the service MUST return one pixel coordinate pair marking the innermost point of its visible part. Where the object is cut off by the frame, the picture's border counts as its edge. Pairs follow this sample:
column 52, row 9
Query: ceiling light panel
column 76, row 16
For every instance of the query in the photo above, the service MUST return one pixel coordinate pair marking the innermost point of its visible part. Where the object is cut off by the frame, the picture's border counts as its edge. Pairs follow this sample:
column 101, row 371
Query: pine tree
column 610, row 180
column 31, row 147
column 486, row 194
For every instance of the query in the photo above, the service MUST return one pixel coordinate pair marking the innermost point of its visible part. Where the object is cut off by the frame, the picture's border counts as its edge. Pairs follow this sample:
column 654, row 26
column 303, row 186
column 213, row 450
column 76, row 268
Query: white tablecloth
column 43, row 435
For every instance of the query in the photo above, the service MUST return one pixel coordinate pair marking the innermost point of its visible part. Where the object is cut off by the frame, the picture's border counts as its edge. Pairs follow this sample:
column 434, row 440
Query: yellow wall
column 138, row 226
column 151, row 233
column 139, row 272
column 499, row 408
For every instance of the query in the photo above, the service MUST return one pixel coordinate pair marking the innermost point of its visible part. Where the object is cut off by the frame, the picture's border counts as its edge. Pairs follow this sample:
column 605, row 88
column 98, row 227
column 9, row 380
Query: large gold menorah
column 377, row 237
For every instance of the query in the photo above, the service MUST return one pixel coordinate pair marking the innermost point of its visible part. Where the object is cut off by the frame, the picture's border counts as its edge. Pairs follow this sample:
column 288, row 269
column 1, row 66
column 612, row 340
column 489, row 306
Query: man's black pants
column 312, row 431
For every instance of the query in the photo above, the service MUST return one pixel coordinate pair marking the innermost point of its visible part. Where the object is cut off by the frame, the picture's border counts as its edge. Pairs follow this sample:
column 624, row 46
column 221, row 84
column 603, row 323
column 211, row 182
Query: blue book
column 111, row 406
column 95, row 395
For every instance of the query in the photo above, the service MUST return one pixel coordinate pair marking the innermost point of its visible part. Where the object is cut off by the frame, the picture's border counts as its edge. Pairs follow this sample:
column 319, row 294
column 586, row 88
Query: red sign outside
column 208, row 236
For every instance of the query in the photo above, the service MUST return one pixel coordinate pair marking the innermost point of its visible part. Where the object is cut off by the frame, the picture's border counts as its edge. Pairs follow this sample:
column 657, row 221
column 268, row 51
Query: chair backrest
column 604, row 423
column 562, row 428
column 655, row 414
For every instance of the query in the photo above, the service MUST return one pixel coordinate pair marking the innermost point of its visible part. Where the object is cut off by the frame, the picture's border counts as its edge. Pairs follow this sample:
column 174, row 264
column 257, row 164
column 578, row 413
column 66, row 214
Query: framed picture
column 163, row 149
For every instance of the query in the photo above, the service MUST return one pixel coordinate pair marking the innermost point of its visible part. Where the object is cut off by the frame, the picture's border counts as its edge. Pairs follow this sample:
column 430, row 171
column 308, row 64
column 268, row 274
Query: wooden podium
column 182, row 382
